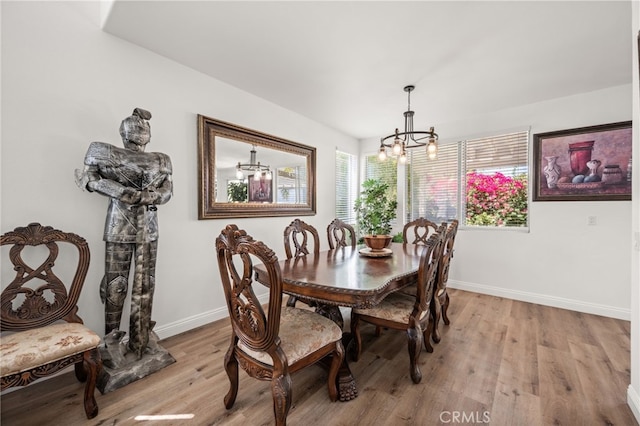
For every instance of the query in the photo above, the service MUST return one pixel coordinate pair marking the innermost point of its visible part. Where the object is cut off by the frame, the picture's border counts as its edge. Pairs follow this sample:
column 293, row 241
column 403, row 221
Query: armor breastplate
column 133, row 169
column 138, row 170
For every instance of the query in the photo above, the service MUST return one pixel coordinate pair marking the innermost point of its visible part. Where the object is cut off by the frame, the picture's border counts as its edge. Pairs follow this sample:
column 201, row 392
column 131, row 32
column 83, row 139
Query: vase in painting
column 552, row 171
column 579, row 156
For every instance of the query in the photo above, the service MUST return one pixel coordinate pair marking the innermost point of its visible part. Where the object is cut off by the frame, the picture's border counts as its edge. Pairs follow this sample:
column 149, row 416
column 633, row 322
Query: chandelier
column 253, row 166
column 409, row 138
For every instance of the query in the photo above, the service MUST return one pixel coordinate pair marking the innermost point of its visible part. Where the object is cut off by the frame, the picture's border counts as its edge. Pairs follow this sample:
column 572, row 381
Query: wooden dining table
column 345, row 277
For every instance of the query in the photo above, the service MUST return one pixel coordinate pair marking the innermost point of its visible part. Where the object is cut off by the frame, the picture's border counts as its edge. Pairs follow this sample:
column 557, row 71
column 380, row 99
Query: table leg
column 346, row 382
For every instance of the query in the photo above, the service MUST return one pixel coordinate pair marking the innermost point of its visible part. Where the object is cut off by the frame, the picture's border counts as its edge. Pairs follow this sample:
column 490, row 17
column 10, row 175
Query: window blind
column 346, row 186
column 432, row 185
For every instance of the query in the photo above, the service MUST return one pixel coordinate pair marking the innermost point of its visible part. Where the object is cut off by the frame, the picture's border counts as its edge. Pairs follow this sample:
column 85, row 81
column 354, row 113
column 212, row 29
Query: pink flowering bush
column 496, row 200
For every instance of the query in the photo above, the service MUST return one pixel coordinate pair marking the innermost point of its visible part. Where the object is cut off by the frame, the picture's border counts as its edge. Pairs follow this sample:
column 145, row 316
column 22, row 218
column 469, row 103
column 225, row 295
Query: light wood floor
column 500, row 361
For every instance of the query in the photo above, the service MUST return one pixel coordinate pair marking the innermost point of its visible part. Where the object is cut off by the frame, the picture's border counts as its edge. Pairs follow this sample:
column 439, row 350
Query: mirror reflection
column 246, row 173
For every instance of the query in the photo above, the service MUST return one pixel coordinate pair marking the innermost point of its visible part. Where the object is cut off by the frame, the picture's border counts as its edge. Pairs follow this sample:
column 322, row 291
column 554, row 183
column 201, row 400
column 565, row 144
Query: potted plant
column 375, row 210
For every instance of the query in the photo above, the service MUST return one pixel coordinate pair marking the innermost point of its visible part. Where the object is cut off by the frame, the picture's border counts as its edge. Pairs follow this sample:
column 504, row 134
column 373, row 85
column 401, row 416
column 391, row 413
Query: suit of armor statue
column 135, row 182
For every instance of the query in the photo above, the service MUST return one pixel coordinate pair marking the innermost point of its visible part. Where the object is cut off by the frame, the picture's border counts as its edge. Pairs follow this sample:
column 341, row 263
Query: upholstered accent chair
column 299, row 239
column 340, row 234
column 41, row 330
column 273, row 344
column 402, row 311
column 441, row 297
column 418, row 231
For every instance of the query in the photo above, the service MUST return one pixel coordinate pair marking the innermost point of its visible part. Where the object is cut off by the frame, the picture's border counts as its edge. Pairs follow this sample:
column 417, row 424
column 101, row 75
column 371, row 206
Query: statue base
column 120, row 366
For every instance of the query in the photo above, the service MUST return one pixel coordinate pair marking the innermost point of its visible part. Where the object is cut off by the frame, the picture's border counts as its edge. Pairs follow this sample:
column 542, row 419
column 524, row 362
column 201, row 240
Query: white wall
column 66, row 83
column 561, row 261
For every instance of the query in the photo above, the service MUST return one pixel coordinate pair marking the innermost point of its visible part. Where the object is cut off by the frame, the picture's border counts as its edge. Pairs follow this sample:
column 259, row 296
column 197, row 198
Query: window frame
column 522, row 136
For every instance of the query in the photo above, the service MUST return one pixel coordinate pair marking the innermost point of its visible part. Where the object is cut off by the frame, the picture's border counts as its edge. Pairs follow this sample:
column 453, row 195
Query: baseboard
column 541, row 299
column 199, row 320
column 633, row 399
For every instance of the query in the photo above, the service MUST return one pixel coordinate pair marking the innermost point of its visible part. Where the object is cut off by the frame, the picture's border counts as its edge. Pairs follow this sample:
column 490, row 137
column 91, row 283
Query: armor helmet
column 136, row 128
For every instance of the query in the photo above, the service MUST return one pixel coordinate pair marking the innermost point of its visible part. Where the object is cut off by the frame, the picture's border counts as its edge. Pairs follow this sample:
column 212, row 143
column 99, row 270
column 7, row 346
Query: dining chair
column 40, row 311
column 401, row 311
column 340, row 234
column 421, row 229
column 272, row 345
column 441, row 297
column 297, row 236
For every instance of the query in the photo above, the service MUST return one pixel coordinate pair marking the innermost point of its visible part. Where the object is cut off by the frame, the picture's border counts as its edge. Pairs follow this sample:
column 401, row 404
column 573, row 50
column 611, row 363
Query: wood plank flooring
column 500, row 362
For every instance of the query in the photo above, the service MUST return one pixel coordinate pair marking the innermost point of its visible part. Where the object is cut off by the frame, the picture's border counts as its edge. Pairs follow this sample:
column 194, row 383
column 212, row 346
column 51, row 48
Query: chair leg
column 80, row 371
column 231, row 367
column 427, row 333
column 445, row 307
column 436, row 310
column 336, row 361
column 378, row 331
column 91, row 366
column 414, row 335
column 281, row 392
column 291, row 301
column 355, row 335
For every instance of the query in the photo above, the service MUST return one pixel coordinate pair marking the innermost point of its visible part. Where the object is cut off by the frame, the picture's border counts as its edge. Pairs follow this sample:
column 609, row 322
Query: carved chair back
column 297, row 234
column 37, row 297
column 36, row 305
column 427, row 273
column 447, row 254
column 421, row 229
column 251, row 325
column 340, row 234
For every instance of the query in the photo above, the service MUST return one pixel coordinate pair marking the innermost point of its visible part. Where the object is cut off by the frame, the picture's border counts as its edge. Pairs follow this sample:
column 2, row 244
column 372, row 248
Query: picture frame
column 261, row 190
column 583, row 164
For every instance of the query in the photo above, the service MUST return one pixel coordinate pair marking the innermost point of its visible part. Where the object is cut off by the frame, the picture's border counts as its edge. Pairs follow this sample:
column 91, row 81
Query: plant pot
column 377, row 242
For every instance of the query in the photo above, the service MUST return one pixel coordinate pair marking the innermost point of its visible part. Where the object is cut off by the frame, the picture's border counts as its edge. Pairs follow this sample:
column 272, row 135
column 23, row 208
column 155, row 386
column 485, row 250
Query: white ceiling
column 345, row 64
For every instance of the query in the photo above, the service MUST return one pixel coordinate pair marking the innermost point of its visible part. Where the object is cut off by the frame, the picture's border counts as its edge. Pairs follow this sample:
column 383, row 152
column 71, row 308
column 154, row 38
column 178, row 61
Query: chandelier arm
column 253, row 167
column 417, row 140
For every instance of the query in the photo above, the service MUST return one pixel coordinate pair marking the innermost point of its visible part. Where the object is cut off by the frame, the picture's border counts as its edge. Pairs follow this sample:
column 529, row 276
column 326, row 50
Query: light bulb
column 268, row 176
column 403, row 157
column 239, row 174
column 382, row 154
column 432, row 149
column 256, row 176
column 397, row 147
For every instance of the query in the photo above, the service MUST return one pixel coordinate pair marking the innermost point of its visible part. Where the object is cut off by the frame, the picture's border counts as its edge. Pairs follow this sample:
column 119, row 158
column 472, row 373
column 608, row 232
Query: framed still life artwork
column 583, row 164
column 260, row 190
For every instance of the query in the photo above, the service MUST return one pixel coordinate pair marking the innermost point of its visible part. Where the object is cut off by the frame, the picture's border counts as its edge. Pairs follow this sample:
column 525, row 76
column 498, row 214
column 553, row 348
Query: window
column 292, row 185
column 346, row 186
column 481, row 182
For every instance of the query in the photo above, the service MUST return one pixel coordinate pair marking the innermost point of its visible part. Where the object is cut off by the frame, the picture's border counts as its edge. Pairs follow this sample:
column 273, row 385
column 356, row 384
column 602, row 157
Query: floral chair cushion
column 396, row 307
column 301, row 332
column 25, row 350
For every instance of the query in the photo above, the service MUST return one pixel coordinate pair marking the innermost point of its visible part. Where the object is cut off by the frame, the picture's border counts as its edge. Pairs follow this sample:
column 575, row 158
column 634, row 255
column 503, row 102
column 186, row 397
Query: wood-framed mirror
column 246, row 173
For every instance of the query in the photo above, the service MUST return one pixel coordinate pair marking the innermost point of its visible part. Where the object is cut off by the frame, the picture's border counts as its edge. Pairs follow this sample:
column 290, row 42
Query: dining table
column 350, row 277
